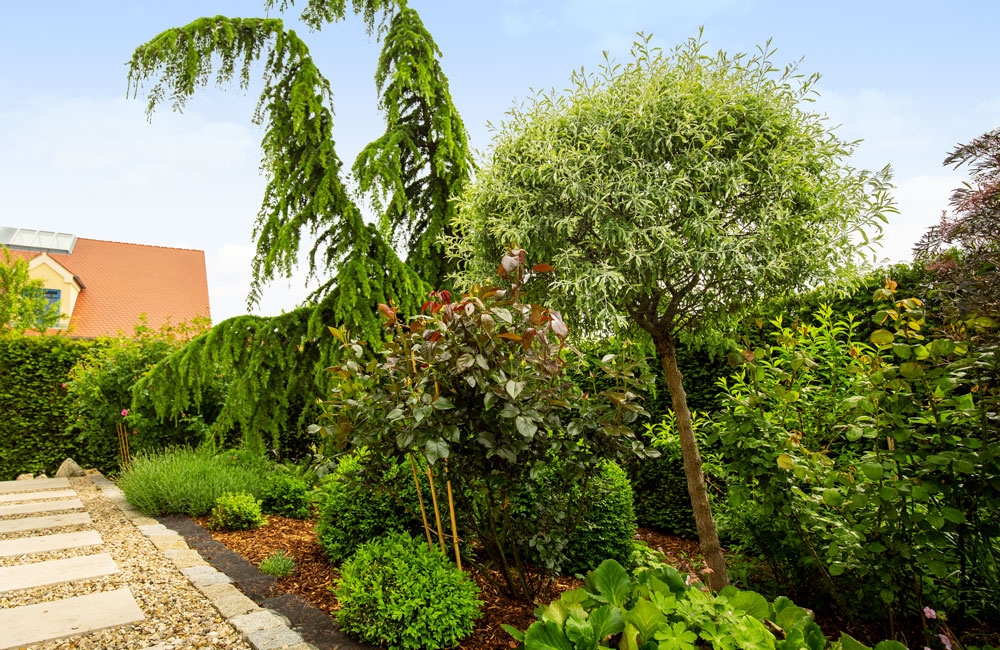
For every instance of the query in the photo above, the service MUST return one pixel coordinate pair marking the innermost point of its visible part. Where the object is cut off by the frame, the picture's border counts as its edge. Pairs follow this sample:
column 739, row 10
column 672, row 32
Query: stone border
column 263, row 629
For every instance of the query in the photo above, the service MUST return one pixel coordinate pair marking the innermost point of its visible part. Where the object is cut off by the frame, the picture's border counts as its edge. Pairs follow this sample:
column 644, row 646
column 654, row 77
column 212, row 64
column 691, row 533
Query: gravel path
column 177, row 615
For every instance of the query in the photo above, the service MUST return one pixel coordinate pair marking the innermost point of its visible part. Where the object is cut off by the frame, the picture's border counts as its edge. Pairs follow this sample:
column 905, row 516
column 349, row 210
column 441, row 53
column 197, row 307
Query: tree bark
column 708, row 535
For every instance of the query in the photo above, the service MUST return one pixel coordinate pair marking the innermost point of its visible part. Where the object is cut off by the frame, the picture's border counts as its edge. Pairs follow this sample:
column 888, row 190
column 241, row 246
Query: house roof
column 122, row 281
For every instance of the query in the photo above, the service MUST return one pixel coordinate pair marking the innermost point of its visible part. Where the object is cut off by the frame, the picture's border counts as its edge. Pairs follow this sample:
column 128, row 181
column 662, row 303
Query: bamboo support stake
column 454, row 528
column 420, row 498
column 437, row 512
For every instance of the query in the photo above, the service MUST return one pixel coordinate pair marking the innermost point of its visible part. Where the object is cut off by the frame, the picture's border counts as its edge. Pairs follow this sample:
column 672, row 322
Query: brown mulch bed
column 314, row 576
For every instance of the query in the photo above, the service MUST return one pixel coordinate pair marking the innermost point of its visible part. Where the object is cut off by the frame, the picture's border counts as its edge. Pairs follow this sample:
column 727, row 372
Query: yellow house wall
column 53, row 279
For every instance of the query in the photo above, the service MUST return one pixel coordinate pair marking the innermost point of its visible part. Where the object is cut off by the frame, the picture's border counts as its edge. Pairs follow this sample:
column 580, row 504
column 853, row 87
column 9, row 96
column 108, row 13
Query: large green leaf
column 581, row 634
column 607, row 620
column 752, row 603
column 612, row 582
column 546, row 635
column 646, row 617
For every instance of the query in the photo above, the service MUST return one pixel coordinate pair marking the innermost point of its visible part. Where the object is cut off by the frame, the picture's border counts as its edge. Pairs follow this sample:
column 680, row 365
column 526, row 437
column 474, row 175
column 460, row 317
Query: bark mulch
column 314, row 577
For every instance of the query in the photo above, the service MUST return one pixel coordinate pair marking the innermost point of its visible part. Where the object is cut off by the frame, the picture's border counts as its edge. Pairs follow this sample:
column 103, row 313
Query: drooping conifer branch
column 317, row 13
column 304, row 192
column 422, row 161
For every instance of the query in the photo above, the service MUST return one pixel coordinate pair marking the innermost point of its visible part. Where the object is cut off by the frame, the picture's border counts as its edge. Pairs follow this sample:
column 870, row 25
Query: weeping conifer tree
column 274, row 366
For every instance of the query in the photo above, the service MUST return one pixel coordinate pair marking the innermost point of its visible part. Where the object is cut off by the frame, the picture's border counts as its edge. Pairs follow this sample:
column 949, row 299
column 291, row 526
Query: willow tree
column 411, row 172
column 671, row 194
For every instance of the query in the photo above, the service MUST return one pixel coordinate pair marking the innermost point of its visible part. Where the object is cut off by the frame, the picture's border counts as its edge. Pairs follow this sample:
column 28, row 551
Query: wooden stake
column 437, row 512
column 454, row 528
column 420, row 498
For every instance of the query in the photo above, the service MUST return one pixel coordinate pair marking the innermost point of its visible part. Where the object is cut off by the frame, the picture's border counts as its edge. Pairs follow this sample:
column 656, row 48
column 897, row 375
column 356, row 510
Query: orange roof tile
column 122, row 281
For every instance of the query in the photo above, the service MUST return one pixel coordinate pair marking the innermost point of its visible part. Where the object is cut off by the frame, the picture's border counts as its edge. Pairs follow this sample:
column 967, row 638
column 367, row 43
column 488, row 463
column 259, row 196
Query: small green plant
column 397, row 592
column 183, row 481
column 236, row 511
column 286, row 495
column 278, row 564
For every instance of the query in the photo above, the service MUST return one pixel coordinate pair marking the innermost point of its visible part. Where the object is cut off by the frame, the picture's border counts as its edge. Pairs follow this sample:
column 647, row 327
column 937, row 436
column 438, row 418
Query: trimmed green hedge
column 34, row 406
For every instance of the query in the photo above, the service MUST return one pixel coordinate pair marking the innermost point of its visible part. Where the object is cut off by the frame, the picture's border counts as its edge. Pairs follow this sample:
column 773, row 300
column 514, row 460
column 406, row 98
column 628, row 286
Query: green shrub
column 286, row 495
column 183, row 481
column 34, row 437
column 397, row 592
column 608, row 528
column 360, row 504
column 277, row 564
column 236, row 511
column 100, row 389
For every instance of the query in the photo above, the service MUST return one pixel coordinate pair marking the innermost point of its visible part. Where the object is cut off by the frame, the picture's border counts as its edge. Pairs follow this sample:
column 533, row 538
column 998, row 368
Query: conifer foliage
column 411, row 173
column 423, row 160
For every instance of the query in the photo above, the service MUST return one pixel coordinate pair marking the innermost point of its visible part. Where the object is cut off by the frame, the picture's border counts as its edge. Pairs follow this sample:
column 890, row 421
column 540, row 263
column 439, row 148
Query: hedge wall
column 34, row 405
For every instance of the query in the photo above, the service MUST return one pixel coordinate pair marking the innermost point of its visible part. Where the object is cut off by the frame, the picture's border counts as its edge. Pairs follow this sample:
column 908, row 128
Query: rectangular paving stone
column 264, row 619
column 6, row 487
column 75, row 616
column 40, row 523
column 169, row 542
column 46, row 543
column 41, row 506
column 54, row 572
column 185, row 559
column 273, row 638
column 28, row 496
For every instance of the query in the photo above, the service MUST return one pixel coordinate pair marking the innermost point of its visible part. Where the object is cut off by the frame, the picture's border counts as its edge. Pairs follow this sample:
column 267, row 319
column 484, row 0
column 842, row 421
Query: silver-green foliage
column 678, row 188
column 184, row 481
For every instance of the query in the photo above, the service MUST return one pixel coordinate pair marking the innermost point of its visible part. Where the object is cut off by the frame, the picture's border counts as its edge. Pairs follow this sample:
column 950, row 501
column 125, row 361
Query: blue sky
column 911, row 79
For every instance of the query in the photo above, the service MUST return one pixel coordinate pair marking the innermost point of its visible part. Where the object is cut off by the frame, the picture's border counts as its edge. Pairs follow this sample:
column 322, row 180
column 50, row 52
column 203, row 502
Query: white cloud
column 920, row 200
column 96, row 168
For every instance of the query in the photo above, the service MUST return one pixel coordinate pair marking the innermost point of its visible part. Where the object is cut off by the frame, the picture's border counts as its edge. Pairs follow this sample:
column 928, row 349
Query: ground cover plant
column 185, row 481
column 661, row 609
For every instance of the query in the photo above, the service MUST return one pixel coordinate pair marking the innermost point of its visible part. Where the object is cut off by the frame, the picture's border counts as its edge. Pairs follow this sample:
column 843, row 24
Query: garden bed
column 314, row 576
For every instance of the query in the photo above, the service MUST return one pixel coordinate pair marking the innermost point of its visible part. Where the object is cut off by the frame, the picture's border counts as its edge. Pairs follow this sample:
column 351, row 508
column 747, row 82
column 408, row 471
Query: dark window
column 52, row 297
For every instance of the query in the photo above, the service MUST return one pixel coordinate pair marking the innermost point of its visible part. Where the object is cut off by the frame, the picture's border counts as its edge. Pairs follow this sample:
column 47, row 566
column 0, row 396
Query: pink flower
column 945, row 641
column 929, row 613
column 124, row 412
column 64, row 384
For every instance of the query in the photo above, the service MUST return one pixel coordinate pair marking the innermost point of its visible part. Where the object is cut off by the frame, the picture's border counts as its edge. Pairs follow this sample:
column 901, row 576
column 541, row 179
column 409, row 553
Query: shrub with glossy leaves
column 236, row 511
column 476, row 386
column 397, row 592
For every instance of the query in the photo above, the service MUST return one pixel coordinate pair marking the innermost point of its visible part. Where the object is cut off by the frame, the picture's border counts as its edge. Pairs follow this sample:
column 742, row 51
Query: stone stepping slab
column 39, row 523
column 7, row 487
column 48, row 543
column 29, row 496
column 41, row 506
column 75, row 616
column 54, row 572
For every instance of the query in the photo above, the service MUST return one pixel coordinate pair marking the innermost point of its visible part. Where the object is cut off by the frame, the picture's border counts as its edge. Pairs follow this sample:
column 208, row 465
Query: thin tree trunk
column 707, row 534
